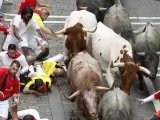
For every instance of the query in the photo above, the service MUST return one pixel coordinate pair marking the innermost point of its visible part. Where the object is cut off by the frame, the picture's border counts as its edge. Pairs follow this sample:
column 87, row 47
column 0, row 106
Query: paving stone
column 53, row 105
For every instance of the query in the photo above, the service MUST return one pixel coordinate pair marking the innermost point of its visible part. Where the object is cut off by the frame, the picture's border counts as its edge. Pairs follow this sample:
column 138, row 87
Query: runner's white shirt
column 6, row 60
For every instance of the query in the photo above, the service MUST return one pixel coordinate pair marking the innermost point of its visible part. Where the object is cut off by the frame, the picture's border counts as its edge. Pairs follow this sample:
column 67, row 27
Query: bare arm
column 14, row 112
column 43, row 5
column 15, row 31
column 48, row 31
column 27, row 91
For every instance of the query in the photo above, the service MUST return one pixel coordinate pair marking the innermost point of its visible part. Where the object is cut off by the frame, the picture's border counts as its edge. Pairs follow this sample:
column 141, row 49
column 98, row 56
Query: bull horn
column 102, row 9
column 158, row 53
column 91, row 30
column 60, row 31
column 140, row 53
column 145, row 70
column 74, row 95
column 83, row 8
column 118, row 64
column 103, row 88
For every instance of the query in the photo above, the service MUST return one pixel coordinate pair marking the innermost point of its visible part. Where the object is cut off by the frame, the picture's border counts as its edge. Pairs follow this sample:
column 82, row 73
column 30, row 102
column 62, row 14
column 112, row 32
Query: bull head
column 99, row 88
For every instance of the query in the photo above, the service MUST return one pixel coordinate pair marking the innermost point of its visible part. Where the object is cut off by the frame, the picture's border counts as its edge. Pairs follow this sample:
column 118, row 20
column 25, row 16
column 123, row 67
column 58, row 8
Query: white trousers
column 4, row 106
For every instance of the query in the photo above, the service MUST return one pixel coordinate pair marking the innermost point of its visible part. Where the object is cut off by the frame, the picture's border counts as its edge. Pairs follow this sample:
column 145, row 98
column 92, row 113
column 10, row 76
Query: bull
column 78, row 17
column 117, row 18
column 115, row 104
column 97, row 7
column 107, row 46
column 85, row 77
column 147, row 47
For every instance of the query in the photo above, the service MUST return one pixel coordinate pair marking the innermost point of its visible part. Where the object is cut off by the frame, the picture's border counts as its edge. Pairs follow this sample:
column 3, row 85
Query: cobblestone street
column 53, row 105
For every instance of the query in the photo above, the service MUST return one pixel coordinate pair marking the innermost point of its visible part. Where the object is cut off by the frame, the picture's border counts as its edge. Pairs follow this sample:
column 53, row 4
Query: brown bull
column 128, row 70
column 75, row 41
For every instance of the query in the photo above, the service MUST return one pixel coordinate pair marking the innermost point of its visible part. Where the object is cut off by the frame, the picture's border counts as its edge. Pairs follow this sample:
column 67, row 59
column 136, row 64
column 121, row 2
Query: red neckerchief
column 16, row 56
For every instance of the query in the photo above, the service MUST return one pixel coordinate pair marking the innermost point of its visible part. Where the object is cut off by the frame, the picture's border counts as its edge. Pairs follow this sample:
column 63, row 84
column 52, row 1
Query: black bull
column 97, row 7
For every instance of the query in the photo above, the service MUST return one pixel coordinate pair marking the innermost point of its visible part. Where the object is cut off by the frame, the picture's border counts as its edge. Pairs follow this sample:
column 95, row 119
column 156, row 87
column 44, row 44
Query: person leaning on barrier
column 155, row 96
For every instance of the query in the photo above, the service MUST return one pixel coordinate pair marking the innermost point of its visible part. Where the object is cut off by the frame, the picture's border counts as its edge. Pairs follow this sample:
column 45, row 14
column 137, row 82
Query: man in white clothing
column 6, row 57
column 19, row 27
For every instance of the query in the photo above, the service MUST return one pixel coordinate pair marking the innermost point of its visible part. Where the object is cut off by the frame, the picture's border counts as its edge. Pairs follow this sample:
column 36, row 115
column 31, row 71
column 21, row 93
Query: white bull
column 107, row 46
column 87, row 19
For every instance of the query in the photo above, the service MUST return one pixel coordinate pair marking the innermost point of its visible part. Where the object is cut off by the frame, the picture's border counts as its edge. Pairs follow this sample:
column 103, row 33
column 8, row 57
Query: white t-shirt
column 22, row 27
column 6, row 60
column 33, row 112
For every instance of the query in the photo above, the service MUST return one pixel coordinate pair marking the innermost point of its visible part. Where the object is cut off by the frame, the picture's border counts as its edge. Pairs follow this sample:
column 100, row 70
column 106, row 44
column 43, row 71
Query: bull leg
column 141, row 87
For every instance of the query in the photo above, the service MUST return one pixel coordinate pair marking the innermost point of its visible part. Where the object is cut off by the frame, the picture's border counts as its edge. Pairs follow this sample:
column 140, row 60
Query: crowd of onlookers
column 24, row 45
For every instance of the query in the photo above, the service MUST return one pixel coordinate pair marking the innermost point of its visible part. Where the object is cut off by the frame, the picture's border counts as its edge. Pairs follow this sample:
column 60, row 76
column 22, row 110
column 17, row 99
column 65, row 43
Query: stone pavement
column 53, row 105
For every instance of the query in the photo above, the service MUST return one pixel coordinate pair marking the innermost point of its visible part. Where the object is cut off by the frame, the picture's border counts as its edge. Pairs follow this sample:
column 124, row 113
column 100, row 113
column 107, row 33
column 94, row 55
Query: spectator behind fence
column 9, row 88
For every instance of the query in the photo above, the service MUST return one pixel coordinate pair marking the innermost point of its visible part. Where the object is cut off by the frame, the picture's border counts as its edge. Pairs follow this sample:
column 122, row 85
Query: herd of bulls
column 112, row 47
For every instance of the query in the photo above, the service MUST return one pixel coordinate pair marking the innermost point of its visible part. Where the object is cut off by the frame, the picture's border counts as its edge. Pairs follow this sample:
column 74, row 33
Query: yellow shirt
column 38, row 20
column 45, row 79
column 49, row 68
